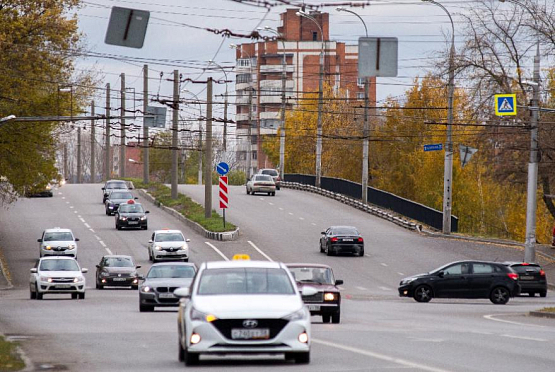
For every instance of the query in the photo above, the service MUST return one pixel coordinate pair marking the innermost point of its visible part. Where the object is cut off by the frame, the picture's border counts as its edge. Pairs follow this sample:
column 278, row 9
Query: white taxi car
column 243, row 307
column 58, row 242
column 57, row 275
column 168, row 245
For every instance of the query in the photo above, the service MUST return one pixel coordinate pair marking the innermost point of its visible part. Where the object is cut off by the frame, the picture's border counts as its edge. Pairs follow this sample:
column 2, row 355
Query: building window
column 254, row 155
column 244, row 78
column 360, row 96
column 314, row 36
column 243, row 62
column 360, row 82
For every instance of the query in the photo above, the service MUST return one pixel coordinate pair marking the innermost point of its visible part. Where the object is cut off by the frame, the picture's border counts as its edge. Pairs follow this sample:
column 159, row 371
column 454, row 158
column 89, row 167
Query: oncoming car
column 58, row 242
column 117, row 271
column 57, row 275
column 115, row 198
column 243, row 307
column 131, row 215
column 113, row 185
column 168, row 245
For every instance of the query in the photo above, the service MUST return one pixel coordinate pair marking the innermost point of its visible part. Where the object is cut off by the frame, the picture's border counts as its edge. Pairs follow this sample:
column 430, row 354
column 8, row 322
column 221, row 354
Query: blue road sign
column 505, row 104
column 434, row 147
column 222, row 168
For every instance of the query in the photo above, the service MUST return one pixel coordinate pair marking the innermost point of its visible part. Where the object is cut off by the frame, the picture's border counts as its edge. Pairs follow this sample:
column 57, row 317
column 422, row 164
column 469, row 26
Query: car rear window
column 121, row 195
column 116, row 185
column 263, row 178
column 345, row 231
column 270, row 172
column 526, row 268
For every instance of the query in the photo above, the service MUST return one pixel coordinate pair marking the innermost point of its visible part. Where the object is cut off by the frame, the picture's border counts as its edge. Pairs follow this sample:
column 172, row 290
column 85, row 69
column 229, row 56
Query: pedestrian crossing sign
column 505, row 104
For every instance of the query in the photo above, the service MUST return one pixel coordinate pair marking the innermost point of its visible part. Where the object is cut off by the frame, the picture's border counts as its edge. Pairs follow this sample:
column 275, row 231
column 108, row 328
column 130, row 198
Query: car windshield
column 169, row 237
column 121, row 195
column 118, row 262
column 344, row 231
column 131, row 208
column 58, row 265
column 270, row 172
column 171, row 271
column 116, row 185
column 262, row 177
column 308, row 274
column 58, row 237
column 240, row 281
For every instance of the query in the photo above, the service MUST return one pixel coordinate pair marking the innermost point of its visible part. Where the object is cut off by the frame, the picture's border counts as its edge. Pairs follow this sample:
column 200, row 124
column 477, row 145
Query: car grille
column 122, row 275
column 166, row 289
column 62, row 280
column 133, row 218
column 318, row 297
column 226, row 325
column 59, row 248
column 171, row 249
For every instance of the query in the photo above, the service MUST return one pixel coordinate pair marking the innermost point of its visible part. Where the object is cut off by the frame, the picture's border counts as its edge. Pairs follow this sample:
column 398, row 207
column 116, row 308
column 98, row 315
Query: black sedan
column 327, row 302
column 341, row 239
column 113, row 185
column 463, row 279
column 115, row 198
column 117, row 271
column 531, row 278
column 131, row 215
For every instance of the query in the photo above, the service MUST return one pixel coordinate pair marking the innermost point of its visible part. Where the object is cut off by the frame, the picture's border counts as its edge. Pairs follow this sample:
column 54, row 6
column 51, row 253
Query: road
column 379, row 330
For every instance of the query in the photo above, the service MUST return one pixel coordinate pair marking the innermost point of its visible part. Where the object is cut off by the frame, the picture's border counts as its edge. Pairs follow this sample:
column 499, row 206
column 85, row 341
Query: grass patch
column 548, row 310
column 9, row 358
column 184, row 205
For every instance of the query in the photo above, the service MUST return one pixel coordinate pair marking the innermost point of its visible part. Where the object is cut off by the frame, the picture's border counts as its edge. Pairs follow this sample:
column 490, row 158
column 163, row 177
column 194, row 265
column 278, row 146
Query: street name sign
column 505, row 104
column 434, row 147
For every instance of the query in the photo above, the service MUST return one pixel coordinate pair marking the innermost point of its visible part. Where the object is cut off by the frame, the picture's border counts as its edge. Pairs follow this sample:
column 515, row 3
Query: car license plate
column 118, row 279
column 250, row 334
column 133, row 222
column 172, row 253
column 347, row 240
column 63, row 285
column 526, row 277
column 314, row 307
column 166, row 295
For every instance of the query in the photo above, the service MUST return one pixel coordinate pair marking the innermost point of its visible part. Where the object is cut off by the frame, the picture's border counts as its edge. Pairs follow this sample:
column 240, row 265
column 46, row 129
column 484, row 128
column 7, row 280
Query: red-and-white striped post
column 224, row 201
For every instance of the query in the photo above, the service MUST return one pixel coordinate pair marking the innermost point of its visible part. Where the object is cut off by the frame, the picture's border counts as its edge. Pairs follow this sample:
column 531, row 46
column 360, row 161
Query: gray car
column 115, row 198
column 160, row 282
column 261, row 183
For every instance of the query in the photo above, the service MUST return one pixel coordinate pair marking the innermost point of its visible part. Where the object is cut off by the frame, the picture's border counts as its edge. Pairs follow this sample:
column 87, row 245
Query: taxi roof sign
column 131, row 201
column 505, row 104
column 241, row 256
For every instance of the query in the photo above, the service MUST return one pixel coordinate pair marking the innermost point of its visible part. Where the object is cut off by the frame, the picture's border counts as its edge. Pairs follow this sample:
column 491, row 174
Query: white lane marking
column 526, row 338
column 401, row 274
column 271, row 203
column 102, row 244
column 290, row 213
column 280, row 208
column 67, row 202
column 217, row 250
column 387, row 358
column 87, row 225
column 425, row 339
column 367, row 255
column 261, row 198
column 92, row 230
column 313, row 224
column 260, row 251
column 74, row 211
column 491, row 317
column 63, row 197
column 383, row 264
column 82, row 220
column 361, row 288
column 97, row 237
column 109, row 251
column 301, row 218
column 79, row 216
column 481, row 333
column 385, row 288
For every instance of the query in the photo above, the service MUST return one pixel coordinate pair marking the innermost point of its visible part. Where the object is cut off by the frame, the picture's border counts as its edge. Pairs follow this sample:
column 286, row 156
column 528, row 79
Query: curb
column 222, row 236
column 542, row 314
column 354, row 203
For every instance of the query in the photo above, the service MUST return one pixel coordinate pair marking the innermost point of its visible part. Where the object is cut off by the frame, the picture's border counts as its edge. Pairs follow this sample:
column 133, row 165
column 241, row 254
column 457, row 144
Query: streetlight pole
column 224, row 141
column 320, row 102
column 531, row 198
column 448, row 171
column 366, row 129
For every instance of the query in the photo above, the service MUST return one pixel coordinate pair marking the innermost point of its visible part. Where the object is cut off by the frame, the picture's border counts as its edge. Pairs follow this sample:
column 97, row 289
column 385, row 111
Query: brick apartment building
column 259, row 71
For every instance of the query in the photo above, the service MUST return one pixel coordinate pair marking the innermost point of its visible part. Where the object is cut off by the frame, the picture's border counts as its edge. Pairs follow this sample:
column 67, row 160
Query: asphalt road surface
column 379, row 331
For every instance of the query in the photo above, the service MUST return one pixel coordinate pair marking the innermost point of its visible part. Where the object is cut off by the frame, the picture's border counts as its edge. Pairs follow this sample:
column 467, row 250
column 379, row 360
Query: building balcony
column 269, row 69
column 276, row 84
column 270, row 115
column 276, row 98
column 244, row 86
column 242, row 100
column 243, row 117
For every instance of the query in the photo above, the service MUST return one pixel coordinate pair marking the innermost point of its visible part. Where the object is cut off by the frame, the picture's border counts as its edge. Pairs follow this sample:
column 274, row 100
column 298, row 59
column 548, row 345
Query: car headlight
column 202, row 317
column 407, row 281
column 104, row 274
column 123, row 218
column 143, row 218
column 330, row 296
column 71, row 246
column 47, row 247
column 297, row 315
column 158, row 248
column 184, row 246
column 79, row 279
column 146, row 289
column 110, row 207
column 45, row 279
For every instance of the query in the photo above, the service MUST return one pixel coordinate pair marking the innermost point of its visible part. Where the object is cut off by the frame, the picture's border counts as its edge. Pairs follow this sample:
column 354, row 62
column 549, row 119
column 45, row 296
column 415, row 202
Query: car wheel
column 361, row 253
column 145, row 227
column 302, row 358
column 543, row 294
column 190, row 359
column 107, row 213
column 82, row 296
column 32, row 295
column 423, row 293
column 321, row 248
column 135, row 287
column 499, row 295
column 149, row 256
column 336, row 317
column 248, row 192
column 329, row 251
column 278, row 188
column 99, row 286
column 146, row 308
column 74, row 296
column 274, row 193
column 180, row 352
column 326, row 318
column 39, row 295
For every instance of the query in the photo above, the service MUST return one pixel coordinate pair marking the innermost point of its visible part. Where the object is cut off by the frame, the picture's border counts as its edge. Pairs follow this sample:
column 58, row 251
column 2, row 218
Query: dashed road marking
column 301, row 218
column 367, row 255
column 97, row 237
column 92, row 230
column 313, row 224
column 102, row 243
column 109, row 251
column 63, row 197
column 217, row 250
column 82, row 220
column 401, row 274
column 383, row 264
column 526, row 338
column 67, row 202
column 290, row 213
column 79, row 216
column 261, row 198
column 271, row 203
column 361, row 288
column 385, row 288
column 87, row 225
column 280, row 208
column 260, row 251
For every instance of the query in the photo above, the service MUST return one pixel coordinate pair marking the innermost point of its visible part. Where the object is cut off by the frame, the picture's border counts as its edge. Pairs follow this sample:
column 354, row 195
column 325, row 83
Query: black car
column 118, row 271
column 341, row 239
column 531, row 278
column 113, row 185
column 115, row 198
column 131, row 215
column 463, row 279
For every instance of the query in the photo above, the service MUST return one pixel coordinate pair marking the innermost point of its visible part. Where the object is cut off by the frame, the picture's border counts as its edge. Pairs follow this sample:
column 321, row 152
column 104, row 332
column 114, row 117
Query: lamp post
column 249, row 143
column 301, row 13
column 448, row 171
column 224, row 141
column 366, row 128
column 199, row 179
column 283, row 104
column 531, row 199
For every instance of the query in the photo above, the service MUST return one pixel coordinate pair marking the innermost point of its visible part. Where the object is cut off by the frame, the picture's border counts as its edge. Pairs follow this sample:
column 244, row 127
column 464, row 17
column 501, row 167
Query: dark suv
column 464, row 279
column 531, row 278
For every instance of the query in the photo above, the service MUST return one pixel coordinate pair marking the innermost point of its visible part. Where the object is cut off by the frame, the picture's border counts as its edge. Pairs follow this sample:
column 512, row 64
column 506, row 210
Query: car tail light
column 542, row 273
column 360, row 240
column 525, row 264
column 333, row 240
column 513, row 276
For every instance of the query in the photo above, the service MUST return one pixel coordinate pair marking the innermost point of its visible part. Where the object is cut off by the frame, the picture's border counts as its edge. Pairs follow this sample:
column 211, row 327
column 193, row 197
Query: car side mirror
column 308, row 291
column 441, row 274
column 135, row 198
column 147, row 212
column 182, row 292
column 76, row 239
column 338, row 282
column 138, row 267
column 34, row 270
column 103, row 188
column 141, row 277
column 98, row 266
column 39, row 240
column 84, row 270
column 323, row 233
column 187, row 240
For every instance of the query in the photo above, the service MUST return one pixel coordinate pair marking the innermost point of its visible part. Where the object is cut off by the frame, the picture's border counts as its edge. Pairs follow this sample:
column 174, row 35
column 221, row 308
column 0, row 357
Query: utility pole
column 319, row 123
column 200, row 152
column 93, row 138
column 249, row 144
column 145, row 127
column 79, row 158
column 175, row 129
column 225, row 122
column 283, row 107
column 65, row 162
column 107, row 168
column 122, row 151
column 208, row 153
column 365, row 140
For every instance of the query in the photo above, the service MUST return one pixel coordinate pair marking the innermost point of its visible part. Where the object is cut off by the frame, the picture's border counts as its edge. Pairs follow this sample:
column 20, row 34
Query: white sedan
column 261, row 183
column 243, row 307
column 57, row 274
